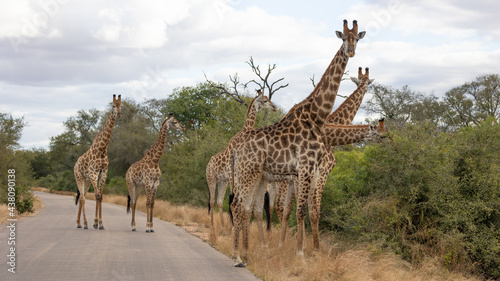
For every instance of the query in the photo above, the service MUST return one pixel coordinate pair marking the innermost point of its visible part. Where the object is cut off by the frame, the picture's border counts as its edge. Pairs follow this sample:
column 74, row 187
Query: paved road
column 50, row 247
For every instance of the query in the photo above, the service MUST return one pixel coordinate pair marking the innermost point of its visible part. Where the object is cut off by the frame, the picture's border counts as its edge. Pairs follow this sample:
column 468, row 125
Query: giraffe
column 218, row 169
column 92, row 167
column 334, row 135
column 146, row 173
column 343, row 115
column 293, row 146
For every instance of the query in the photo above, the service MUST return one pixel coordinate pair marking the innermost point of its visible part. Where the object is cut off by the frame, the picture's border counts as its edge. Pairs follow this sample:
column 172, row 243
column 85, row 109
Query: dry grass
column 335, row 260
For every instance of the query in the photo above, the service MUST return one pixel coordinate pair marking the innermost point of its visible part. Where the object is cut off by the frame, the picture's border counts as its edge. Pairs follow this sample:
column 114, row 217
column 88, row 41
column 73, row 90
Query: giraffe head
column 350, row 37
column 117, row 106
column 362, row 77
column 377, row 132
column 263, row 102
column 172, row 123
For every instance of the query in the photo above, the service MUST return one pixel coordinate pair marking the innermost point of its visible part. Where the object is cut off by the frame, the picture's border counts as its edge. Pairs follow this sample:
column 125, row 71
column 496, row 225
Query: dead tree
column 263, row 83
column 345, row 78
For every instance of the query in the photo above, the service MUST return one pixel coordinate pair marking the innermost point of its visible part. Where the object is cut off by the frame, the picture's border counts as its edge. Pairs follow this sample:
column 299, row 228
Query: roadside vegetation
column 424, row 204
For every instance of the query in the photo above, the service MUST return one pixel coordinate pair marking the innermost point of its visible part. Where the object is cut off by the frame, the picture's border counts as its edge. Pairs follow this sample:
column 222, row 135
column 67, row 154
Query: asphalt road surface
column 50, row 247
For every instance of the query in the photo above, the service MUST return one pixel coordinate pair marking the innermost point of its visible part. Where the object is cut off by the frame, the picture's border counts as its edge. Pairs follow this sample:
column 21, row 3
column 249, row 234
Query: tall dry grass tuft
column 4, row 213
column 334, row 261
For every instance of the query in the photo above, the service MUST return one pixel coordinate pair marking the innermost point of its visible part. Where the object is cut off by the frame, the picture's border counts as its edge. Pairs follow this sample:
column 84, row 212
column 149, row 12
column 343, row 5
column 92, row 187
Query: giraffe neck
column 348, row 109
column 317, row 106
column 345, row 134
column 156, row 151
column 251, row 116
column 101, row 141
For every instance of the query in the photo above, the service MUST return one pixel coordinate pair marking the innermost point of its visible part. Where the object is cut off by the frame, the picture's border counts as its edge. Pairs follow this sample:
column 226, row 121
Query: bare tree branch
column 231, row 91
column 345, row 74
column 264, row 79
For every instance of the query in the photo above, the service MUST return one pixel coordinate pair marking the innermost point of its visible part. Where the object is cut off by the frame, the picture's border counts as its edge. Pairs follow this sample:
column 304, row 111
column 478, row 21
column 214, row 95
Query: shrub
column 423, row 192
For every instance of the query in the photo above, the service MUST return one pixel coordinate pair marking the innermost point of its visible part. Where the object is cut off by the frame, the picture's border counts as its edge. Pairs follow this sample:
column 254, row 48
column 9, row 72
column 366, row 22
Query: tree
column 10, row 130
column 474, row 102
column 14, row 163
column 263, row 83
column 193, row 106
column 403, row 106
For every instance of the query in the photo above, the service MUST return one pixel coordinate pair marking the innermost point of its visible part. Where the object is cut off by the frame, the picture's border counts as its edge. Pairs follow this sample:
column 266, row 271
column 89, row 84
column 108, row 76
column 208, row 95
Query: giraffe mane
column 346, row 126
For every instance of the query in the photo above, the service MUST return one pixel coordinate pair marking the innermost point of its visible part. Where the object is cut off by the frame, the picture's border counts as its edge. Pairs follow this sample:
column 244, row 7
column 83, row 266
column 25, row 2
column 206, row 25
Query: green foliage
column 116, row 185
column 184, row 164
column 423, row 192
column 65, row 181
column 10, row 159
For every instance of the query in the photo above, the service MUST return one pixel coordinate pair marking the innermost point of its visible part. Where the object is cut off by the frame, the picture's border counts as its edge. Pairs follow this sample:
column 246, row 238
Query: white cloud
column 80, row 52
column 135, row 24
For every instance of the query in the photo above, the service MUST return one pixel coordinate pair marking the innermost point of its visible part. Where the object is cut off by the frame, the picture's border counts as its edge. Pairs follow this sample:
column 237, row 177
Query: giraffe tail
column 231, row 199
column 267, row 210
column 128, row 203
column 209, row 201
column 77, row 197
column 231, row 195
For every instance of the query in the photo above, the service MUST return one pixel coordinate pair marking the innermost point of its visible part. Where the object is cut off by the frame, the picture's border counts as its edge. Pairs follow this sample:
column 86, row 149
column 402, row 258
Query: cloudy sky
column 59, row 56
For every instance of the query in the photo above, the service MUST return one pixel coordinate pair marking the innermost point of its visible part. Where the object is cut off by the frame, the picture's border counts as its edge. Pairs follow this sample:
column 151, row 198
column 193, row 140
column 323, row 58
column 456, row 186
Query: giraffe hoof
column 147, row 231
column 239, row 264
column 79, row 226
column 133, row 229
column 151, row 231
column 86, row 227
column 101, row 227
column 95, row 226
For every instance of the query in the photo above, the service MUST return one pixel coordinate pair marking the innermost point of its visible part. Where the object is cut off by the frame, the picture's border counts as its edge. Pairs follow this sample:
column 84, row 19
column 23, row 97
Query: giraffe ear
column 370, row 81
column 355, row 80
column 339, row 34
column 361, row 34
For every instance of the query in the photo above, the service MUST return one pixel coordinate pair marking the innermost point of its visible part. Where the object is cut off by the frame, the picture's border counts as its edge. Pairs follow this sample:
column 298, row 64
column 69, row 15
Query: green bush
column 423, row 192
column 116, row 185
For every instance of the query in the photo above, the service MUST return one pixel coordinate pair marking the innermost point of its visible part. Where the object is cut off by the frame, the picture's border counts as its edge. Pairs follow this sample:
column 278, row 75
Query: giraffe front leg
column 212, row 184
column 151, row 230
column 82, row 204
column 96, row 217
column 221, row 192
column 237, row 210
column 101, row 224
column 153, row 195
column 302, row 196
column 314, row 209
column 147, row 219
column 257, row 207
column 287, row 205
column 245, row 234
column 78, row 225
column 148, row 209
column 133, row 216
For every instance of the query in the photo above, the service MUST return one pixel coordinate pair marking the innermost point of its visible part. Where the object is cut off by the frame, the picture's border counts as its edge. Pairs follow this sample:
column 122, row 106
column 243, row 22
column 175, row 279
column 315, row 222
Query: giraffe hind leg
column 78, row 224
column 153, row 194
